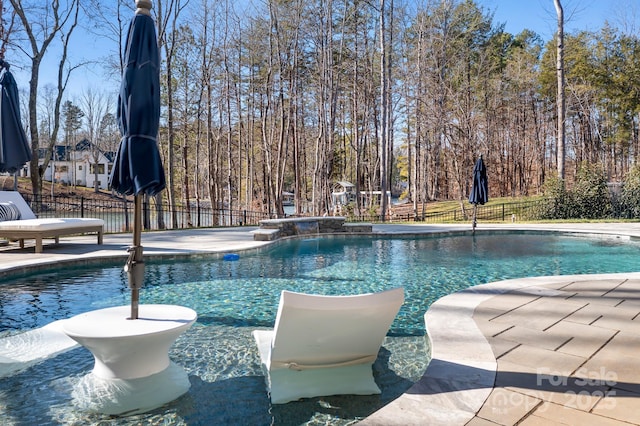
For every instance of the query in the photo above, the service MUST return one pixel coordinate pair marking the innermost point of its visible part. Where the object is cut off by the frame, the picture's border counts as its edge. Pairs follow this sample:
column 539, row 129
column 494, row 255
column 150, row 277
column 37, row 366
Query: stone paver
column 592, row 378
column 534, row 351
column 506, row 407
column 583, row 340
column 621, row 405
column 554, row 414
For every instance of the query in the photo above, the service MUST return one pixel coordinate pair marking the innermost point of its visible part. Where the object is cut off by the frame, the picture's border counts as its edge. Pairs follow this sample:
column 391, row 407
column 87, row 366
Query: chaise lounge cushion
column 48, row 224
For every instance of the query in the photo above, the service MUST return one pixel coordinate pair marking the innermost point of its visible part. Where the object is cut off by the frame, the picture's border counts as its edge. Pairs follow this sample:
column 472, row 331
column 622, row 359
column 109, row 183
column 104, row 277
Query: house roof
column 60, row 153
column 83, row 145
column 63, row 152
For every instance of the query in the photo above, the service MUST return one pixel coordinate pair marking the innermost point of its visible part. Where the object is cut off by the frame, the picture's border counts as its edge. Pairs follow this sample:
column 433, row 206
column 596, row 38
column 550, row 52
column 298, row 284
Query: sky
column 540, row 15
column 517, row 15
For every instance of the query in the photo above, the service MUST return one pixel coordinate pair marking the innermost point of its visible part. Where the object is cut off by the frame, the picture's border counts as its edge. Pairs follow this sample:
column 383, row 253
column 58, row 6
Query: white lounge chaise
column 325, row 345
column 25, row 225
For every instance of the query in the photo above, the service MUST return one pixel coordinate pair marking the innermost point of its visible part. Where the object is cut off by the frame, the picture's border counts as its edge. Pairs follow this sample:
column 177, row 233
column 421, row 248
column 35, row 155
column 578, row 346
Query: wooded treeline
column 293, row 96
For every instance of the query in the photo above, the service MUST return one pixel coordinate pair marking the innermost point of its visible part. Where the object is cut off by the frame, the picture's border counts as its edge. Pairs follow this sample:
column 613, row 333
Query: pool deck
column 559, row 350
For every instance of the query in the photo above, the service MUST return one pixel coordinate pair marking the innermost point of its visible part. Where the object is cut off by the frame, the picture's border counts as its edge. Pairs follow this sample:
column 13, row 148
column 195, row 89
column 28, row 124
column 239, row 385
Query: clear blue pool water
column 233, row 298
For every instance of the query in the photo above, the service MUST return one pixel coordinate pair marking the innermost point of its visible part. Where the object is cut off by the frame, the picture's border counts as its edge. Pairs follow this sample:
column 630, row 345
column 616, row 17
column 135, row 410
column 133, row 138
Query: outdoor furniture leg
column 39, row 245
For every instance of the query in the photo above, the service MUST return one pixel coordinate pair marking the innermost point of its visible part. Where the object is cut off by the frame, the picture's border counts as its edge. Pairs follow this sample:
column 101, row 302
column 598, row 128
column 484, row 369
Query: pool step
column 265, row 234
column 20, row 351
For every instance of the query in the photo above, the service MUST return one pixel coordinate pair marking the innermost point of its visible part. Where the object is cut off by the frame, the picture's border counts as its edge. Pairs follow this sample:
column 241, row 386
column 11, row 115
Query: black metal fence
column 117, row 213
column 504, row 212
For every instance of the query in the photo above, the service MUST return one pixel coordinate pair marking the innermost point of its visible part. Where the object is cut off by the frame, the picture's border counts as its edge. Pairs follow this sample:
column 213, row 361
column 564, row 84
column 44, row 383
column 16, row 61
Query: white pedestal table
column 132, row 371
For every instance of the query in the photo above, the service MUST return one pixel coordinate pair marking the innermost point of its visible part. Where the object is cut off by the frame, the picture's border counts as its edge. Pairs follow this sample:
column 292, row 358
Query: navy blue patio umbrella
column 14, row 148
column 479, row 189
column 138, row 167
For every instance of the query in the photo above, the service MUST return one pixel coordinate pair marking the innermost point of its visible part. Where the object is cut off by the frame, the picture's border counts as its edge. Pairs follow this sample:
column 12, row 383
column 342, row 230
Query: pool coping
column 462, row 370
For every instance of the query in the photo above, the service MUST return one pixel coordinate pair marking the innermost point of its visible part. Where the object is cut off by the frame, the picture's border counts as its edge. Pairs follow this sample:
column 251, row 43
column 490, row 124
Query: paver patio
column 565, row 357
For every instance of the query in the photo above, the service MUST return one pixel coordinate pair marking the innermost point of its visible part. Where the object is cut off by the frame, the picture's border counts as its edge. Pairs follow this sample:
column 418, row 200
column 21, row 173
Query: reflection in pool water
column 233, row 298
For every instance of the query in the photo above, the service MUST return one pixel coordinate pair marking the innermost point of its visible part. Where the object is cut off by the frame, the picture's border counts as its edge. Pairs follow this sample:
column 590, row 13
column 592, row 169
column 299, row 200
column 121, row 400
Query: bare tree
column 383, row 133
column 204, row 28
column 185, row 101
column 110, row 20
column 95, row 106
column 41, row 24
column 228, row 90
column 326, row 100
column 5, row 30
column 560, row 101
column 168, row 13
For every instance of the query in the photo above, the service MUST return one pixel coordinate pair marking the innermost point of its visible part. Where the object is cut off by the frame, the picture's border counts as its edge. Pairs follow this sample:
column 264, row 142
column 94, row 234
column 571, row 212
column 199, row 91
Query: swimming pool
column 233, row 298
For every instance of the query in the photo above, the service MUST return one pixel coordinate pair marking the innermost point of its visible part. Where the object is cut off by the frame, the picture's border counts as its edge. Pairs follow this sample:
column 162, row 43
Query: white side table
column 132, row 371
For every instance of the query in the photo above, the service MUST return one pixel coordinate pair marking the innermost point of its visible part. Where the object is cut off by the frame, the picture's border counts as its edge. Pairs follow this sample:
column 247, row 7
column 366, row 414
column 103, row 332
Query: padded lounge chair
column 325, row 345
column 22, row 222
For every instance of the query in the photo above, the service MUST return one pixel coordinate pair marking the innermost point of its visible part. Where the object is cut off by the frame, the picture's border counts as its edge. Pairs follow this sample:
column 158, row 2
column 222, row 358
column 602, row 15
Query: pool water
column 233, row 298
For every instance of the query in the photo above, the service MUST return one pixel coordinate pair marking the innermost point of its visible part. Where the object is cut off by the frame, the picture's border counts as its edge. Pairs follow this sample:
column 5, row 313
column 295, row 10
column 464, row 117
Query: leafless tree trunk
column 202, row 38
column 167, row 40
column 228, row 92
column 560, row 101
column 383, row 133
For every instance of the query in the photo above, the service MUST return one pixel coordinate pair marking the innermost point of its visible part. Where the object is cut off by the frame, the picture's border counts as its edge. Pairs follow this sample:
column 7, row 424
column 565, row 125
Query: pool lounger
column 325, row 345
column 23, row 224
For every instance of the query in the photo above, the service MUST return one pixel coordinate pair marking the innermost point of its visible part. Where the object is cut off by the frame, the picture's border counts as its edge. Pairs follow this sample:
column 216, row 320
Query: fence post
column 503, row 212
column 81, row 206
column 126, row 213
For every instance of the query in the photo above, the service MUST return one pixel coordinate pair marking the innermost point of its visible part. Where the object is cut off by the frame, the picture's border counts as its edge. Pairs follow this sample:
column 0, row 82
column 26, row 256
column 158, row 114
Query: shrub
column 557, row 201
column 588, row 199
column 590, row 195
column 630, row 194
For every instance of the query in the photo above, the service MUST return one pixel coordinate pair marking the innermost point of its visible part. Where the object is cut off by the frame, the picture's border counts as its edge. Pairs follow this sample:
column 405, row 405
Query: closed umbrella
column 479, row 189
column 137, row 167
column 14, row 148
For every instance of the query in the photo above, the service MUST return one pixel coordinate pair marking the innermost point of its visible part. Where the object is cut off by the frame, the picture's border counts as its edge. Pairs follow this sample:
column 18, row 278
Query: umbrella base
column 132, row 371
column 130, row 396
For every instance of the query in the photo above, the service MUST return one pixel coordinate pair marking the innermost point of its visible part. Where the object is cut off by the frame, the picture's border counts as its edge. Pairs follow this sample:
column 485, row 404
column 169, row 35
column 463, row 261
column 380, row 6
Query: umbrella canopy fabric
column 480, row 188
column 14, row 148
column 137, row 167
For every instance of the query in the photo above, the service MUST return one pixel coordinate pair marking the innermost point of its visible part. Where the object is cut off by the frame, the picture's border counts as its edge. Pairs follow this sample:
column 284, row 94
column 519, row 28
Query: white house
column 76, row 164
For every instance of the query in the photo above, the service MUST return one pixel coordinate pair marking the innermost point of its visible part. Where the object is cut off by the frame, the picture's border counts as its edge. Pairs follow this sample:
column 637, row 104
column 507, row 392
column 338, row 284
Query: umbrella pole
column 135, row 263
column 473, row 223
column 137, row 221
